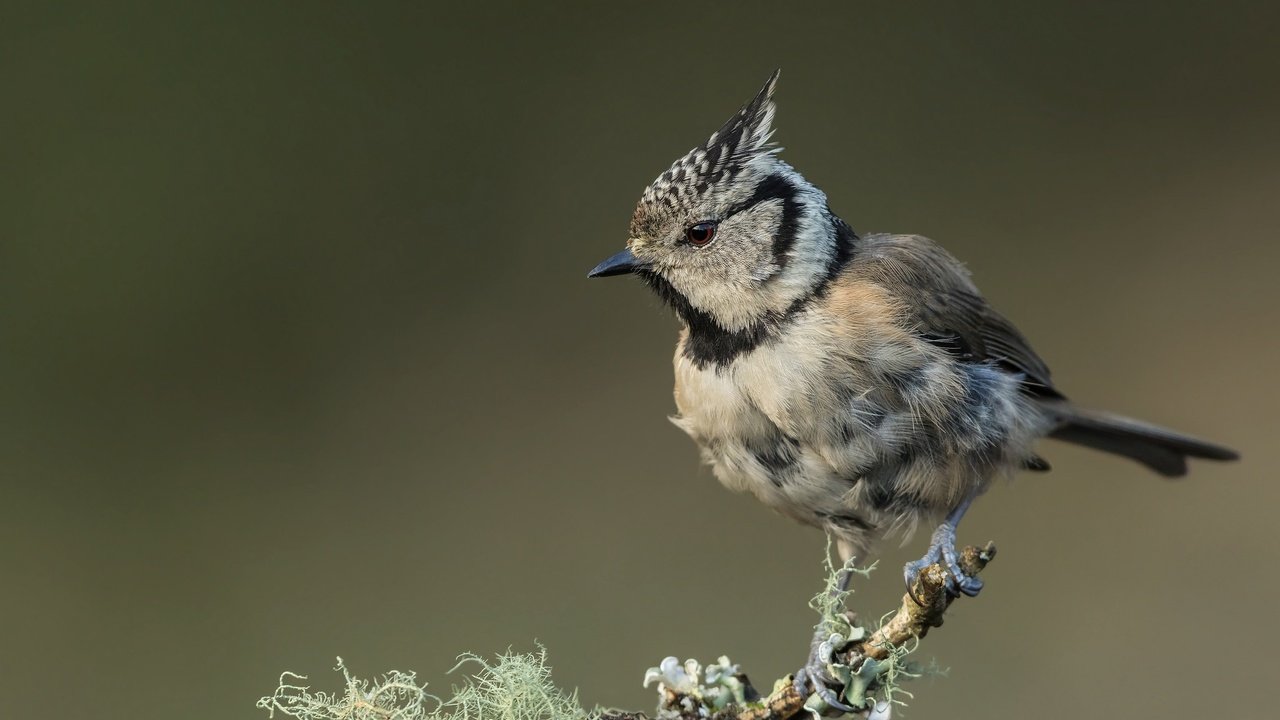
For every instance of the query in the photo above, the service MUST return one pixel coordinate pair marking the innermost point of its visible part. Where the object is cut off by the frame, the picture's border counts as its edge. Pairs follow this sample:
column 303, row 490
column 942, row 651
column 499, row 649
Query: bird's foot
column 942, row 549
column 818, row 676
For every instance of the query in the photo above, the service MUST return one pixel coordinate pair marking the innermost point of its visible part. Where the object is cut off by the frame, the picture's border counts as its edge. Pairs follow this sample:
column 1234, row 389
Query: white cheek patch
column 755, row 229
column 734, row 303
column 741, row 281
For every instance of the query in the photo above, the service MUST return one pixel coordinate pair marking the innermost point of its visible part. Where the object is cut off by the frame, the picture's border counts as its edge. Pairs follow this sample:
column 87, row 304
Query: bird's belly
column 855, row 488
column 857, row 462
column 788, row 477
column 749, row 451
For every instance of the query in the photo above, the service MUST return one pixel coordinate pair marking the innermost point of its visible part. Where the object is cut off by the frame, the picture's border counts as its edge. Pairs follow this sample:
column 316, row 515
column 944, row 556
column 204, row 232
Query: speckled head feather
column 775, row 240
column 742, row 139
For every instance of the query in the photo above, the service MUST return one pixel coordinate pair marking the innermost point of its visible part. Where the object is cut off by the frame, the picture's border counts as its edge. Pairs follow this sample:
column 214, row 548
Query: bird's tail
column 1160, row 449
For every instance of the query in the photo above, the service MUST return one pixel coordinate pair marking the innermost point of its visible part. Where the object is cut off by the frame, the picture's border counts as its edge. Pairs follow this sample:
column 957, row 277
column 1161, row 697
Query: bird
column 858, row 383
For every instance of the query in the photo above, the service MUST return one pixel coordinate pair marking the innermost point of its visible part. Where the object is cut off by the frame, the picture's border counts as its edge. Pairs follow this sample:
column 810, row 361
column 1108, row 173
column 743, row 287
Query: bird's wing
column 947, row 310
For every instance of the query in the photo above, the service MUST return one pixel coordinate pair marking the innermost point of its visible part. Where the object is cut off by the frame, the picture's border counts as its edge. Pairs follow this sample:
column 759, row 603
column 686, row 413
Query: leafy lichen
column 871, row 686
column 684, row 689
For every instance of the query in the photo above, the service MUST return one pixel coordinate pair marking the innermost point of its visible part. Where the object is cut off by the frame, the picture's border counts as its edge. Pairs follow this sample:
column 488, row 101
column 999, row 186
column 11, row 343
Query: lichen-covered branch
column 923, row 607
column 869, row 660
column 518, row 686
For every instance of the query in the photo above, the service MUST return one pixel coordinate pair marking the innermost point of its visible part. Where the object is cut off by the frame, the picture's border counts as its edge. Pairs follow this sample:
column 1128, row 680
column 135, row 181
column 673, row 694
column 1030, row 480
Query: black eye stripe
column 777, row 187
column 774, row 187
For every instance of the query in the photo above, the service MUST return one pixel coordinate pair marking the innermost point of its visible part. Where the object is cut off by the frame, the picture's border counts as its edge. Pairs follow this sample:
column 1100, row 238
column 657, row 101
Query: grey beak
column 620, row 264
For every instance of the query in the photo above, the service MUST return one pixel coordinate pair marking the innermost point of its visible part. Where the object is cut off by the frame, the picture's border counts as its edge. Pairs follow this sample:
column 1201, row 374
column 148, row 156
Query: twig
column 912, row 621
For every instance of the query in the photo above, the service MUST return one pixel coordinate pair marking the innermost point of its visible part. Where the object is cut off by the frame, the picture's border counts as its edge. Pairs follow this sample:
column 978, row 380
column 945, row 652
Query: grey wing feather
column 949, row 312
column 948, row 309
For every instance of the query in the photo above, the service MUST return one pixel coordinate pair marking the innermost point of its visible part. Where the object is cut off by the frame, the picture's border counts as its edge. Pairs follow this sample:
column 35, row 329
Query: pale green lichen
column 396, row 695
column 829, row 603
column 517, row 686
column 693, row 691
column 870, row 686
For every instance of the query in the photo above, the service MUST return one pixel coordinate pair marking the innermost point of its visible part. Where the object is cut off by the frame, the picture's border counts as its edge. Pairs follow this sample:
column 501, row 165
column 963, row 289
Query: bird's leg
column 942, row 548
column 815, row 677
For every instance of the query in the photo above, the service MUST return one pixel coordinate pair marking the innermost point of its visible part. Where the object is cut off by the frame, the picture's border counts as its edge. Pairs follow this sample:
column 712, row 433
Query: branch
column 914, row 619
column 518, row 686
column 921, row 610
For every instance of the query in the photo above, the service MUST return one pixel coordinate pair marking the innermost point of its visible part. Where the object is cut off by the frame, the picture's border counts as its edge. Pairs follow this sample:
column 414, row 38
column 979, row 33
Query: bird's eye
column 702, row 234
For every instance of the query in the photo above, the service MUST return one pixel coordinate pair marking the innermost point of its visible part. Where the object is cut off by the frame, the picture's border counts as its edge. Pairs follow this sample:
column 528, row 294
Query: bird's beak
column 620, row 264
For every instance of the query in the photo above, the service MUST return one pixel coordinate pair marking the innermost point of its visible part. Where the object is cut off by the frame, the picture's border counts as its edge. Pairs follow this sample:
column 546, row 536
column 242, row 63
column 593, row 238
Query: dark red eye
column 701, row 234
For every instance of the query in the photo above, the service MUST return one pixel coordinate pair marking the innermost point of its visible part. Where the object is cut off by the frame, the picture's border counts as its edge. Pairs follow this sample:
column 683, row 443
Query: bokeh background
column 300, row 359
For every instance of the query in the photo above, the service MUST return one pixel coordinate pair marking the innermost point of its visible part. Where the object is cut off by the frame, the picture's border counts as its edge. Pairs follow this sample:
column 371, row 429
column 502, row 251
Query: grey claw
column 813, row 679
column 970, row 585
column 942, row 548
column 959, row 582
column 910, row 572
column 829, row 697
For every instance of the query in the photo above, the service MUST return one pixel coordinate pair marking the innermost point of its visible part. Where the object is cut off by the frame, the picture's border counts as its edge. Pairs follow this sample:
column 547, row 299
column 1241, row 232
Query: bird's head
column 730, row 233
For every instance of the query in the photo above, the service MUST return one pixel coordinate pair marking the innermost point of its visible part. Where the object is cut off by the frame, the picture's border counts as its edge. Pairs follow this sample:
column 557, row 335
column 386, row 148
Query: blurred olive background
column 300, row 359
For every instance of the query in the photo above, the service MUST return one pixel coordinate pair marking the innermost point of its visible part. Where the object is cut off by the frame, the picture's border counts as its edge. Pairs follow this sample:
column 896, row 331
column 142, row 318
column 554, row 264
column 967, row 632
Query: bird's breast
column 857, row 432
column 771, row 425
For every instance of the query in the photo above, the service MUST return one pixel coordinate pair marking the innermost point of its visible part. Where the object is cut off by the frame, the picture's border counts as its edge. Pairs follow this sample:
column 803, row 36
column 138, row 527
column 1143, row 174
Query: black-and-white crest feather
column 744, row 138
column 776, row 241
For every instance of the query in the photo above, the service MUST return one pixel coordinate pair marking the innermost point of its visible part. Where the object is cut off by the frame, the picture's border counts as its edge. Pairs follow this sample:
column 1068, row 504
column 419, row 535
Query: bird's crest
column 744, row 138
